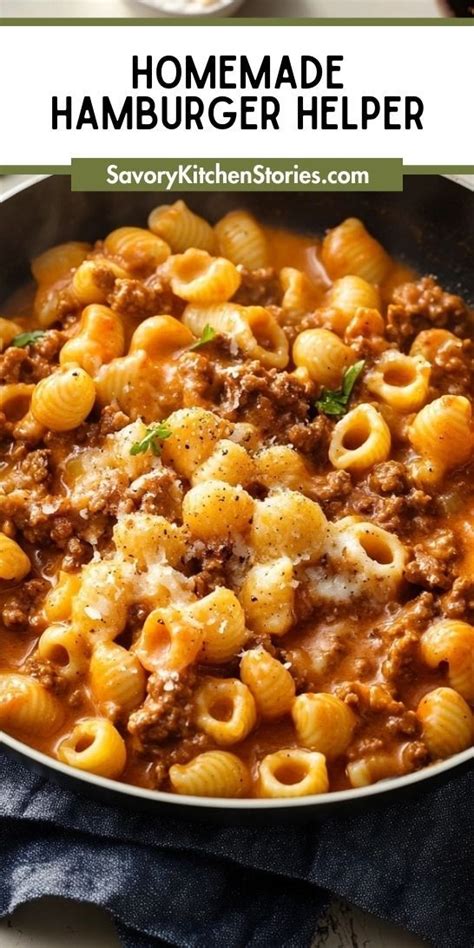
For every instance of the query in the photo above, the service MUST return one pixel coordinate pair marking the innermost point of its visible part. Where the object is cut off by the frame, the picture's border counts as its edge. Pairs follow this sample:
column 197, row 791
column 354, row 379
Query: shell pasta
column 236, row 509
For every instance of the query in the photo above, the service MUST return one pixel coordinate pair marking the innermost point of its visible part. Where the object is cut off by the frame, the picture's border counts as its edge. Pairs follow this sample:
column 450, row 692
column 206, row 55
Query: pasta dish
column 236, row 509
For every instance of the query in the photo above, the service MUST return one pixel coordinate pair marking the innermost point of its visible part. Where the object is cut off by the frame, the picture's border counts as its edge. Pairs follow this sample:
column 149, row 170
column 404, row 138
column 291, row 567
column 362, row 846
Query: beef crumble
column 167, row 712
column 423, row 305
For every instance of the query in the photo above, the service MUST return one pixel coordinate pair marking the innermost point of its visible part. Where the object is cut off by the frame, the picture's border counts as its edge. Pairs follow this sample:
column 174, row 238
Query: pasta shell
column 213, row 774
column 360, row 439
column 350, row 249
column 401, row 381
column 14, row 563
column 137, row 248
column 324, row 355
column 225, row 709
column 66, row 648
column 200, row 278
column 100, row 339
column 63, row 400
column 323, row 722
column 452, row 641
column 292, row 773
column 242, row 240
column 8, row 331
column 447, row 722
column 181, row 228
column 27, row 708
column 96, row 746
column 95, row 279
column 15, row 398
column 269, row 681
column 253, row 329
column 117, row 678
column 160, row 336
column 57, row 261
column 442, row 431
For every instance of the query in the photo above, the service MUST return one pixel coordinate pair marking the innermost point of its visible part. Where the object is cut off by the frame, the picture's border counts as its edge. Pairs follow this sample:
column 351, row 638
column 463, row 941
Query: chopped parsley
column 27, row 338
column 154, row 435
column 335, row 402
column 207, row 335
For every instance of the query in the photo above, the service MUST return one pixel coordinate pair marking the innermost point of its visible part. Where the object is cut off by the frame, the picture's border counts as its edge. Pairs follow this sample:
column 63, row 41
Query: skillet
column 430, row 226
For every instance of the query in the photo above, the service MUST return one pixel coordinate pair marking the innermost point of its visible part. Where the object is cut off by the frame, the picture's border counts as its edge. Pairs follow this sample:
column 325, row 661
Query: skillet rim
column 335, row 798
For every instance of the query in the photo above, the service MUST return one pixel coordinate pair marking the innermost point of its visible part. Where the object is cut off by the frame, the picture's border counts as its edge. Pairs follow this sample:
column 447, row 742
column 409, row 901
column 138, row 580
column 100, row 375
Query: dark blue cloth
column 170, row 882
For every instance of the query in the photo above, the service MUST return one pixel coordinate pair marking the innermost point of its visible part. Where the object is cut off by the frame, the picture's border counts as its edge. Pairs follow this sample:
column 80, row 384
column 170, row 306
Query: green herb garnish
column 27, row 338
column 207, row 335
column 335, row 402
column 154, row 435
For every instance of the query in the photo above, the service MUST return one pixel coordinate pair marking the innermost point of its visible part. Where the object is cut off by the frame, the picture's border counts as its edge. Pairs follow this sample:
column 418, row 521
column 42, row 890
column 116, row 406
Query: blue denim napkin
column 170, row 882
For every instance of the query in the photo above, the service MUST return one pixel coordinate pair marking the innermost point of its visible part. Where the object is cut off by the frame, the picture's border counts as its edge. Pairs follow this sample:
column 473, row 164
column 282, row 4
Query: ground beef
column 432, row 566
column 11, row 362
column 390, row 477
column 452, row 371
column 327, row 488
column 261, row 640
column 182, row 753
column 398, row 514
column 46, row 673
column 112, row 420
column 258, row 287
column 167, row 712
column 422, row 305
column 19, row 610
column 366, row 747
column 414, row 616
column 405, row 633
column 387, row 512
column 406, row 724
column 35, row 466
column 62, row 531
column 31, row 363
column 293, row 325
column 275, row 401
column 298, row 663
column 139, row 300
column 78, row 552
column 209, row 566
column 368, row 348
column 137, row 614
column 104, row 277
column 159, row 492
column 46, row 522
column 196, row 375
column 109, row 497
column 312, row 437
column 415, row 755
column 43, row 519
column 402, row 654
column 44, row 354
column 458, row 603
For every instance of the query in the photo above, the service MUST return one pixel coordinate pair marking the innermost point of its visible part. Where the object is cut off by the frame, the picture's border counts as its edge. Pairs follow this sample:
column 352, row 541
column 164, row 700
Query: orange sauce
column 339, row 648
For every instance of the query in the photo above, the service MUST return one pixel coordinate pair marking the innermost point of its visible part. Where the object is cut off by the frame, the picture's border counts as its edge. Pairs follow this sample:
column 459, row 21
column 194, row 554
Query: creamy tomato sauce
column 363, row 650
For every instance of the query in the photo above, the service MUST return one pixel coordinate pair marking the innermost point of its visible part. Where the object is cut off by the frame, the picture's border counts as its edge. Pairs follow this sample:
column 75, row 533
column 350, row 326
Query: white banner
column 418, row 78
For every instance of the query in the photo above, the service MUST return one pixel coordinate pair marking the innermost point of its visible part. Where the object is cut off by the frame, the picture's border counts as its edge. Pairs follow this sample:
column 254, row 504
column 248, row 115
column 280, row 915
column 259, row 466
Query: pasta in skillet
column 232, row 562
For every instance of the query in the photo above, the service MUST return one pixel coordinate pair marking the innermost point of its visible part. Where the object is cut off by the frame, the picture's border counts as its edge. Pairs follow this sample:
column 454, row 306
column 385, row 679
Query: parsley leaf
column 335, row 402
column 27, row 338
column 207, row 335
column 154, row 435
